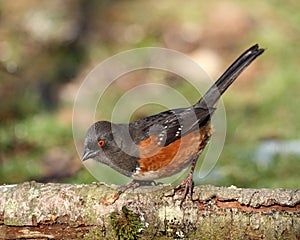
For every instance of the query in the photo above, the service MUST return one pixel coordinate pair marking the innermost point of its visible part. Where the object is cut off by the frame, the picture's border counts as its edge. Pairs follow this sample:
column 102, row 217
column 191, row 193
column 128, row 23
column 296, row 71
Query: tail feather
column 236, row 68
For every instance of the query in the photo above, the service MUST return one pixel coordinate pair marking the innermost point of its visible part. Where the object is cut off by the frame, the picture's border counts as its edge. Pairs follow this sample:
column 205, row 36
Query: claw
column 110, row 200
column 188, row 185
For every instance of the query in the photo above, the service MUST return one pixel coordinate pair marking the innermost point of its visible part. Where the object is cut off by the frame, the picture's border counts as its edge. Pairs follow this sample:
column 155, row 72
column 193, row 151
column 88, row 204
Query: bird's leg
column 134, row 184
column 110, row 200
column 188, row 183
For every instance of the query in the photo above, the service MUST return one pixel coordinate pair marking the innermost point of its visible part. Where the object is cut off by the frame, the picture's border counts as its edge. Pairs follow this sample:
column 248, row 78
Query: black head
column 106, row 143
column 97, row 137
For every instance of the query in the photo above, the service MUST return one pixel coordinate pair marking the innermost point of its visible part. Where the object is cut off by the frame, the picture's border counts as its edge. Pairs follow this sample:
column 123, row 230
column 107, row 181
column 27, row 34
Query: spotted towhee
column 161, row 145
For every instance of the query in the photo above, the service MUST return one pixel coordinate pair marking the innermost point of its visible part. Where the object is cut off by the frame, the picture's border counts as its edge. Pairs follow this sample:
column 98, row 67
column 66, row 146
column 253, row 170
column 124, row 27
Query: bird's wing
column 170, row 125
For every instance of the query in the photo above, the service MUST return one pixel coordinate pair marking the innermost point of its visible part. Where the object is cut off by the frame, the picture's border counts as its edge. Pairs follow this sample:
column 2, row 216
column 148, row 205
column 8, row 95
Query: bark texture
column 66, row 211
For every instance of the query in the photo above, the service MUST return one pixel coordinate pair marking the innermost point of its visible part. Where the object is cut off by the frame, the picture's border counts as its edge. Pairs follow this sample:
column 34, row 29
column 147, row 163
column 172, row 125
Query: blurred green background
column 48, row 47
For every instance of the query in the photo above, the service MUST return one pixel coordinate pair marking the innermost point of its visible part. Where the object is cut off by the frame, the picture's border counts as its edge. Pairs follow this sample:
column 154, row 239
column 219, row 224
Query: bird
column 163, row 144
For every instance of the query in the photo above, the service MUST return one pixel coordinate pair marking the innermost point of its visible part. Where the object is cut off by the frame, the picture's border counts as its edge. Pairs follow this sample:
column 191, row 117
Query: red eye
column 101, row 143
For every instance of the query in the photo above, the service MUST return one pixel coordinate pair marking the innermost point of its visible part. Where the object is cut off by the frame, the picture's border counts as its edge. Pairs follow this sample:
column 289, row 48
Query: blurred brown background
column 48, row 47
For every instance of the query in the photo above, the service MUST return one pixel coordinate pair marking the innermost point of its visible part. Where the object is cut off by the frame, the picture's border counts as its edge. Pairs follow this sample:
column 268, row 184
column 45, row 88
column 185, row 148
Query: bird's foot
column 110, row 200
column 188, row 185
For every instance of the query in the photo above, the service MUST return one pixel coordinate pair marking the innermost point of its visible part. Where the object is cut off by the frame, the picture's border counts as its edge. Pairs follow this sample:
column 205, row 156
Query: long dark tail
column 214, row 93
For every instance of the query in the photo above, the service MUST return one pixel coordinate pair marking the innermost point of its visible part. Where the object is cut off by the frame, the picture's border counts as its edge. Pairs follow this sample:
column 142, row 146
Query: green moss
column 126, row 224
column 93, row 233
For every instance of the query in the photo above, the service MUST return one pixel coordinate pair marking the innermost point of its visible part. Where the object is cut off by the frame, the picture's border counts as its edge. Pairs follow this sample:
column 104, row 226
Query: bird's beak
column 87, row 154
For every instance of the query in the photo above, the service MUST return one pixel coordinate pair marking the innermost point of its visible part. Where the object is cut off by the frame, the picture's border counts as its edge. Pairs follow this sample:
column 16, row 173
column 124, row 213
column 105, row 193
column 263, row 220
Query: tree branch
column 53, row 211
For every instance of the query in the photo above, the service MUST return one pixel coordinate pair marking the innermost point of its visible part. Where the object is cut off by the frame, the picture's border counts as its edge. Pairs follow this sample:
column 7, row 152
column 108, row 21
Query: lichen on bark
column 215, row 212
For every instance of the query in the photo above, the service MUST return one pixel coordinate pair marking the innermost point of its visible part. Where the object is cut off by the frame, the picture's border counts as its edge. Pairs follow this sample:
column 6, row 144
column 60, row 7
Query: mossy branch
column 34, row 210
